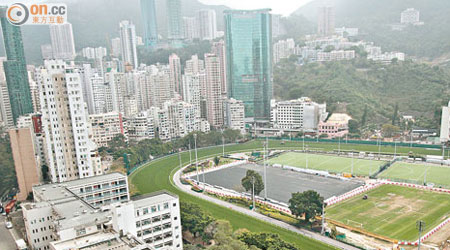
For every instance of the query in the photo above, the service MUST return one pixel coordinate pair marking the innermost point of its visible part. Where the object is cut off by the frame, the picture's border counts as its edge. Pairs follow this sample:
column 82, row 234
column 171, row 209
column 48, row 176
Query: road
column 6, row 240
column 316, row 236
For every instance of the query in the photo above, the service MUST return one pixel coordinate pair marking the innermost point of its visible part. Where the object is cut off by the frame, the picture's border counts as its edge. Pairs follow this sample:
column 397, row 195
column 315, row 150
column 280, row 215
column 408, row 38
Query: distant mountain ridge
column 373, row 18
column 96, row 21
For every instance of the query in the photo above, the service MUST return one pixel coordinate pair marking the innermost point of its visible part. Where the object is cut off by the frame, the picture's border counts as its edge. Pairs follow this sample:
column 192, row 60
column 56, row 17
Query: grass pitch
column 392, row 211
column 439, row 175
column 334, row 164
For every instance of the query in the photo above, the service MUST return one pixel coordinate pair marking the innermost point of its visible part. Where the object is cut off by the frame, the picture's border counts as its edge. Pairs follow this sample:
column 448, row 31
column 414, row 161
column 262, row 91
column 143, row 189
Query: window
column 145, row 210
column 153, row 209
column 166, row 205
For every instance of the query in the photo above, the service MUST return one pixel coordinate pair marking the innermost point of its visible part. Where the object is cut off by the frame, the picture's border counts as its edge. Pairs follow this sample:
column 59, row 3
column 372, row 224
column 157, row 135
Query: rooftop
column 156, row 197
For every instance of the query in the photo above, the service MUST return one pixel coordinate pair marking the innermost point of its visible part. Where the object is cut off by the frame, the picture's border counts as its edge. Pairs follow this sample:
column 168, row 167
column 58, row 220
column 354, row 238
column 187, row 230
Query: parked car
column 9, row 225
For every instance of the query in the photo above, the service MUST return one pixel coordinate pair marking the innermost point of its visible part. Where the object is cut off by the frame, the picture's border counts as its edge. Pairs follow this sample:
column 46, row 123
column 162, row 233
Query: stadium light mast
column 379, row 149
column 179, row 156
column 352, row 160
column 190, row 154
column 266, row 151
column 253, row 192
column 223, row 144
column 395, row 149
column 303, row 140
column 425, row 177
column 339, row 148
column 323, row 218
column 420, row 225
column 196, row 159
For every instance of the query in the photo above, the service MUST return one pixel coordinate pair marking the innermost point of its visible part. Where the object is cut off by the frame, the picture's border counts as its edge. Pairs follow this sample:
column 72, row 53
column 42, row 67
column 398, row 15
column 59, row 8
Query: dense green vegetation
column 162, row 55
column 374, row 18
column 7, row 171
column 360, row 86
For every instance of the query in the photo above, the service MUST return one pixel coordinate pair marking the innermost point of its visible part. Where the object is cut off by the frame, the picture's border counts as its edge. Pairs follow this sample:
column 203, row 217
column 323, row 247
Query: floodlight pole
column 190, row 155
column 253, row 192
column 352, row 161
column 179, row 156
column 303, row 141
column 420, row 225
column 223, row 144
column 339, row 149
column 196, row 159
column 323, row 218
column 395, row 149
column 379, row 149
column 266, row 150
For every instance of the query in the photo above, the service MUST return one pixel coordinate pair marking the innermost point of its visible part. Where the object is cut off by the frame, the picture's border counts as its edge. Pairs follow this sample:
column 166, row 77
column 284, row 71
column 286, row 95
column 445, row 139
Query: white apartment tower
column 410, row 16
column 214, row 108
column 326, row 21
column 234, row 114
column 218, row 48
column 175, row 73
column 63, row 45
column 127, row 32
column 64, row 121
column 207, row 24
column 191, row 29
column 445, row 124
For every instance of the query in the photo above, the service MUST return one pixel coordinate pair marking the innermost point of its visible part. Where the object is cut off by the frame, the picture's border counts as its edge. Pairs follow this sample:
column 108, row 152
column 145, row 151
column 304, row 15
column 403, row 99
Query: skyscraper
column 128, row 44
column 218, row 48
column 69, row 151
column 15, row 68
column 174, row 20
column 207, row 24
column 190, row 28
column 248, row 35
column 214, row 108
column 148, row 12
column 175, row 73
column 325, row 22
column 63, row 45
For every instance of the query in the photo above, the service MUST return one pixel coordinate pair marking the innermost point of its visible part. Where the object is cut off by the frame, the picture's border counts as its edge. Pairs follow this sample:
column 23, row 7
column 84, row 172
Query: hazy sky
column 284, row 7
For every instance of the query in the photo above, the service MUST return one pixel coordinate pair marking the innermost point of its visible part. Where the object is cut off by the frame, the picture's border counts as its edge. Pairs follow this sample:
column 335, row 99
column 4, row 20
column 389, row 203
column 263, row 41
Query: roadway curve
column 316, row 236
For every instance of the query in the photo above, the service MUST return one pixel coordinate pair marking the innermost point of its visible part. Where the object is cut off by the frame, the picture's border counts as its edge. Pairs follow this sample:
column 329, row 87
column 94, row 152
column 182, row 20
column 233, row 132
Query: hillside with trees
column 7, row 171
column 374, row 18
column 369, row 92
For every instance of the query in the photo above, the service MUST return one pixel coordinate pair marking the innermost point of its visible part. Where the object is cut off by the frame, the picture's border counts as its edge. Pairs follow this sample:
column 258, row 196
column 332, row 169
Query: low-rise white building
column 92, row 211
column 141, row 126
column 445, row 124
column 300, row 113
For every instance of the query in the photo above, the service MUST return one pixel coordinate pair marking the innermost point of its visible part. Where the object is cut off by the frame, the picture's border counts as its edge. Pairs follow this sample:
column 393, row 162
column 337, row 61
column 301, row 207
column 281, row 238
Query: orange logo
column 52, row 13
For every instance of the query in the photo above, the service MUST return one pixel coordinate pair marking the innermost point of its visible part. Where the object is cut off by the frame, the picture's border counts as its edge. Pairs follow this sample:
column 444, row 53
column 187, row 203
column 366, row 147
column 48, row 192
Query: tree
column 217, row 160
column 265, row 241
column 308, row 203
column 389, row 130
column 395, row 115
column 353, row 126
column 364, row 116
column 195, row 220
column 250, row 178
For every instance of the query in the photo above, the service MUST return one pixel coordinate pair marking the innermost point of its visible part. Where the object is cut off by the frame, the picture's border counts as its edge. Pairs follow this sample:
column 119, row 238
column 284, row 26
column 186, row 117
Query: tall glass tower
column 15, row 68
column 148, row 12
column 248, row 35
column 174, row 20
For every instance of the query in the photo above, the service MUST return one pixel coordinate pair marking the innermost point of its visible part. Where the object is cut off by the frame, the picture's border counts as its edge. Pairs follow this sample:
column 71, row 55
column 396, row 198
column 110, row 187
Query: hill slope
column 374, row 18
column 419, row 89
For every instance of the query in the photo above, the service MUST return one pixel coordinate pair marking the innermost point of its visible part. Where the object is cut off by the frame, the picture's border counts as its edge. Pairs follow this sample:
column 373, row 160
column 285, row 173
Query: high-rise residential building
column 116, row 81
column 175, row 73
column 326, row 19
column 141, row 127
column 46, row 51
column 194, row 65
column 249, row 59
column 148, row 14
column 15, row 68
column 283, row 49
column 63, row 45
column 115, row 47
column 174, row 20
column 25, row 162
column 234, row 114
column 69, row 151
column 445, row 124
column 161, row 89
column 191, row 28
column 218, row 48
column 214, row 106
column 104, row 127
column 128, row 44
column 207, row 24
column 277, row 28
column 5, row 105
column 191, row 90
column 181, row 117
column 94, row 53
column 410, row 16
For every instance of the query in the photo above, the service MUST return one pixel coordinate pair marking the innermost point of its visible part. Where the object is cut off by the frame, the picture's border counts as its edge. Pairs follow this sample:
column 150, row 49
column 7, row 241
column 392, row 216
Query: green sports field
column 392, row 211
column 439, row 175
column 330, row 163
